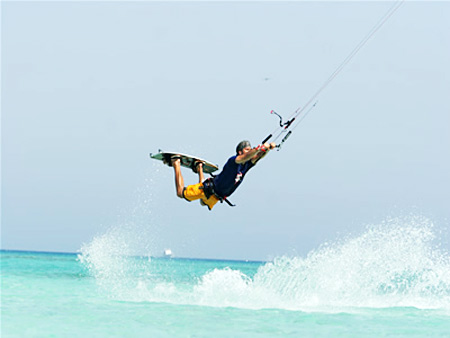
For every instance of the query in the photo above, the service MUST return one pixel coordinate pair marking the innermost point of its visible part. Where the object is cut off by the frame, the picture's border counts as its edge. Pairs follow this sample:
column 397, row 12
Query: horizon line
column 175, row 257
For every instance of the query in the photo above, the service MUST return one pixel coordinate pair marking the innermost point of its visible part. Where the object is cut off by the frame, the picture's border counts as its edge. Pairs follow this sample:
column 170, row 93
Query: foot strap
column 195, row 164
column 169, row 157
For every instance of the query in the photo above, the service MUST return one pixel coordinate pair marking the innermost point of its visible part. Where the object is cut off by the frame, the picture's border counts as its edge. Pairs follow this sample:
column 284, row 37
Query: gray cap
column 242, row 145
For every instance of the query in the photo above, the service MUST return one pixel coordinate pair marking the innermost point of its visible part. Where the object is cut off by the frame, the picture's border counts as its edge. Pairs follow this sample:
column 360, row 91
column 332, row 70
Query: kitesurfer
column 218, row 188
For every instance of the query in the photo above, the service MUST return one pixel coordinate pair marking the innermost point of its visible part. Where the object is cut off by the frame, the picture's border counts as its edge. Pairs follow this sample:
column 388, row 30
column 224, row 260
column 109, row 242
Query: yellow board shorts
column 195, row 192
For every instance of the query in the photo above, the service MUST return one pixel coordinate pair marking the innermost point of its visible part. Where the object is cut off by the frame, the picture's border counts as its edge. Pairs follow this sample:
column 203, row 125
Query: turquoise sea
column 388, row 281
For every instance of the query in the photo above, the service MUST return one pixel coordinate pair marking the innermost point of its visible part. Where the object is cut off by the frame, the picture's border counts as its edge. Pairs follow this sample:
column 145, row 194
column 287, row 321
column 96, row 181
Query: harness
column 208, row 189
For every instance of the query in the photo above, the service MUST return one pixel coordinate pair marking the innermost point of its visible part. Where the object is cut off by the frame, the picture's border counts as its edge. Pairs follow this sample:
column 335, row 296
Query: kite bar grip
column 266, row 139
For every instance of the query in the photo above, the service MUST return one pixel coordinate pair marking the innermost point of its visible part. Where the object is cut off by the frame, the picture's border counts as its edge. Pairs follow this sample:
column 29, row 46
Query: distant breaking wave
column 393, row 264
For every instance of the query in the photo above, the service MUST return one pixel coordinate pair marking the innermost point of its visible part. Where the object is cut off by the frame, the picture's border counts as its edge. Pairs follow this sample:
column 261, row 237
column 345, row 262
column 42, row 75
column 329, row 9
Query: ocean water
column 390, row 280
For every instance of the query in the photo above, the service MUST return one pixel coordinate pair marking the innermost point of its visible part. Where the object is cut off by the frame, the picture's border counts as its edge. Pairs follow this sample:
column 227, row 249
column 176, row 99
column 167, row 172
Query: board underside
column 187, row 161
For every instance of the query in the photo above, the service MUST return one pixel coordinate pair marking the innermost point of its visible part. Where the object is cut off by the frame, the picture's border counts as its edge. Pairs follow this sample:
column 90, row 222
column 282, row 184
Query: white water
column 393, row 264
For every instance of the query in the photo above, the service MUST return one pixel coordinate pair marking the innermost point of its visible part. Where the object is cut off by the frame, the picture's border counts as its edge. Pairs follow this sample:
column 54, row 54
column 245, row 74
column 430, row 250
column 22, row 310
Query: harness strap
column 208, row 189
column 228, row 202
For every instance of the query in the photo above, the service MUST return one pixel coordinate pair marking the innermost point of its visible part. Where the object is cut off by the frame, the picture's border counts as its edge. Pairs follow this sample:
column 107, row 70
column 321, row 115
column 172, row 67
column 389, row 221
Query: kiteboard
column 187, row 161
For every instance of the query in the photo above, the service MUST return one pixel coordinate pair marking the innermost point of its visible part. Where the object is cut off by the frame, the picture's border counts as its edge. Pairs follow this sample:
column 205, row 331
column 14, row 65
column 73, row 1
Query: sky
column 89, row 89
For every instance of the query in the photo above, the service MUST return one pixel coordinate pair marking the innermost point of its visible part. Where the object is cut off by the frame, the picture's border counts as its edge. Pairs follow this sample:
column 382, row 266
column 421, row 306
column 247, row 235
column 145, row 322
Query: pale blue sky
column 89, row 89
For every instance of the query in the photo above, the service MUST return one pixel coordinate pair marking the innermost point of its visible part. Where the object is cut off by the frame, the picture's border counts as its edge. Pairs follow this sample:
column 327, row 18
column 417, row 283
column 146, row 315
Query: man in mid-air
column 218, row 188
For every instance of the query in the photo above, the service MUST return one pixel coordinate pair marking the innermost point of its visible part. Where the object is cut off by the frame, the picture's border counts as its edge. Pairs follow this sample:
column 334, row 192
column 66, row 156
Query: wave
column 393, row 264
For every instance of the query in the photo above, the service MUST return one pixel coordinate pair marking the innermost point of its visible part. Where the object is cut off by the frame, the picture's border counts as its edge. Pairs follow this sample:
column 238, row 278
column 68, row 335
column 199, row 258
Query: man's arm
column 248, row 155
column 255, row 154
column 267, row 147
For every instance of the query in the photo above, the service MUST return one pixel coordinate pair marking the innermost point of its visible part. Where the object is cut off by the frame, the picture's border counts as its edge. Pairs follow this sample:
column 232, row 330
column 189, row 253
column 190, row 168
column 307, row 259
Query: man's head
column 242, row 146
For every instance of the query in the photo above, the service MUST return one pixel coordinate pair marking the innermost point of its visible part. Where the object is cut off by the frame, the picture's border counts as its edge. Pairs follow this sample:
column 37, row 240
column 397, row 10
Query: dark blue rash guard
column 231, row 176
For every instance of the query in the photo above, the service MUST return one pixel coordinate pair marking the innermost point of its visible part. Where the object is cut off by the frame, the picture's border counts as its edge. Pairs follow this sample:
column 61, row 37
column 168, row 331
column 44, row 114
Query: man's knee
column 180, row 192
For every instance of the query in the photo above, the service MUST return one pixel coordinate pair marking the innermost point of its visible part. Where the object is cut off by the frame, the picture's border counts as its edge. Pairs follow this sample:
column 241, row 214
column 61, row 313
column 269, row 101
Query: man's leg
column 179, row 181
column 201, row 177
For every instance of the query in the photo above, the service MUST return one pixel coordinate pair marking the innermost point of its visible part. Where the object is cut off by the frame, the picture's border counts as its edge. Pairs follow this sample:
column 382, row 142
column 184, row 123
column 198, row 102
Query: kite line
column 285, row 128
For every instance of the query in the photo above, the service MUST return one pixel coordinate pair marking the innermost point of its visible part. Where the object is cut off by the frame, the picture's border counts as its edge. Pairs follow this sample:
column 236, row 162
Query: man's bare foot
column 175, row 159
column 169, row 159
column 197, row 165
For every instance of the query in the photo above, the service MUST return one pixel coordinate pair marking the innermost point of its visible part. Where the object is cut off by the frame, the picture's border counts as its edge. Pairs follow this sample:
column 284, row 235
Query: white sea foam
column 393, row 264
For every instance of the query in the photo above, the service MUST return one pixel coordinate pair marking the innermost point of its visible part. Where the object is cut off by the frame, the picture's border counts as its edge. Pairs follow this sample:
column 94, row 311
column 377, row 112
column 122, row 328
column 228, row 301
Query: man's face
column 245, row 150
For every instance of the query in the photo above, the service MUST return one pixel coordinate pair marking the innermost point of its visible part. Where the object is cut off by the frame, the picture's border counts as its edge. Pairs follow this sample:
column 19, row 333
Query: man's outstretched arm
column 266, row 147
column 247, row 156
